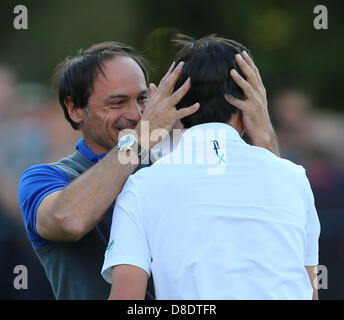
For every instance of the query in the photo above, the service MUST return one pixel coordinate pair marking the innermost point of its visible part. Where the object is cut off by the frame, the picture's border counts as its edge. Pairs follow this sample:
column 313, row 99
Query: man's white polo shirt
column 218, row 219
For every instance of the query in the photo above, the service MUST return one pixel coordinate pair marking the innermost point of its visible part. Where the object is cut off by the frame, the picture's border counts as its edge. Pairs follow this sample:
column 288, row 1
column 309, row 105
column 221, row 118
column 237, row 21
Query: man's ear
column 75, row 113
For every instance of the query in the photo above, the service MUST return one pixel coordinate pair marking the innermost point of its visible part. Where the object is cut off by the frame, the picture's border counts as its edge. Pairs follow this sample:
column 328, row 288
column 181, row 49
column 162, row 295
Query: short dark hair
column 207, row 63
column 75, row 75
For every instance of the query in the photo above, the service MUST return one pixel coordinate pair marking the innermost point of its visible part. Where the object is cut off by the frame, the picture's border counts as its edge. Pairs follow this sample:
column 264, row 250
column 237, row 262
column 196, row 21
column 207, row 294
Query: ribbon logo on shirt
column 216, row 148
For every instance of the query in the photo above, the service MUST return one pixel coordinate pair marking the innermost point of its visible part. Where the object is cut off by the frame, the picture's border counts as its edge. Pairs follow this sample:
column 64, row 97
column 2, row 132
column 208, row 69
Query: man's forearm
column 128, row 283
column 274, row 144
column 83, row 203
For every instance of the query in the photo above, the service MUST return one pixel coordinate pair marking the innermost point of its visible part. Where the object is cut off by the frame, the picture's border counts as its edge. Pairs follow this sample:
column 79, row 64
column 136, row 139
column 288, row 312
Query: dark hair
column 207, row 63
column 75, row 75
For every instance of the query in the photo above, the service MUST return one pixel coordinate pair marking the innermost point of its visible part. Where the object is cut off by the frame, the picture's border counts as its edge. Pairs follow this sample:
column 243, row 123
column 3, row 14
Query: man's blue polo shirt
column 39, row 181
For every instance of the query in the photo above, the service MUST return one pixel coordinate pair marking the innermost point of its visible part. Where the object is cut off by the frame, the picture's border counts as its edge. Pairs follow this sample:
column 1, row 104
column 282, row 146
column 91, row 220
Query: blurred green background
column 301, row 67
column 280, row 34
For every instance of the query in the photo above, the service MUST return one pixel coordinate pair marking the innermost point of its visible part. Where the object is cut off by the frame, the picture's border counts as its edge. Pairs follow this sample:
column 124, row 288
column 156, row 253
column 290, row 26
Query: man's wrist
column 267, row 140
column 143, row 135
column 130, row 148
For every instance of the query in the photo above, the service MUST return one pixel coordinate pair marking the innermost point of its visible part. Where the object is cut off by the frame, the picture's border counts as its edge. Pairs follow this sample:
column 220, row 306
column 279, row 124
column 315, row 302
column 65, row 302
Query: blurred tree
column 280, row 34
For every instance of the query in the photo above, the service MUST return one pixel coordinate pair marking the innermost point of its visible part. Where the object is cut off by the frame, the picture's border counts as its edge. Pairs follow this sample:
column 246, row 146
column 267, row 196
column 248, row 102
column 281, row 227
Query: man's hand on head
column 160, row 112
column 254, row 107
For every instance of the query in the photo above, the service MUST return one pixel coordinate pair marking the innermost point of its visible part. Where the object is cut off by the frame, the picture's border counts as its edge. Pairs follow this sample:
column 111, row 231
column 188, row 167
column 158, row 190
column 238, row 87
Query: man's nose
column 134, row 112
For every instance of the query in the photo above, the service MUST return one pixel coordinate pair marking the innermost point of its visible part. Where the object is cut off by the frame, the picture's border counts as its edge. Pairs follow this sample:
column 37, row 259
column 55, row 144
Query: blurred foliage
column 280, row 34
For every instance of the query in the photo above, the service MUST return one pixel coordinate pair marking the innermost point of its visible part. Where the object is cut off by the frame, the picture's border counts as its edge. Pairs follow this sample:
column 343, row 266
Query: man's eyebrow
column 145, row 91
column 114, row 96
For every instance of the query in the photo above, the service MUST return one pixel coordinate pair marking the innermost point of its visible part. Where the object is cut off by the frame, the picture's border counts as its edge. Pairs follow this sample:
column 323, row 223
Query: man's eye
column 116, row 104
column 143, row 99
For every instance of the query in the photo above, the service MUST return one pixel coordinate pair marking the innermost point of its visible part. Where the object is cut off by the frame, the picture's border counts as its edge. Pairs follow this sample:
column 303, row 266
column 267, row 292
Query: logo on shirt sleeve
column 109, row 247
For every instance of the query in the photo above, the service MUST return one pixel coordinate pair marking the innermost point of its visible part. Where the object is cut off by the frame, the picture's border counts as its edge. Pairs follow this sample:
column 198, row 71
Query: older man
column 67, row 205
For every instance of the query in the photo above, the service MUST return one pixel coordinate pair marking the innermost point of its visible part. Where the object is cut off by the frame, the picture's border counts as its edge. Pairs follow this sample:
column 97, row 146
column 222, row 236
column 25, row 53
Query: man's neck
column 237, row 123
column 95, row 147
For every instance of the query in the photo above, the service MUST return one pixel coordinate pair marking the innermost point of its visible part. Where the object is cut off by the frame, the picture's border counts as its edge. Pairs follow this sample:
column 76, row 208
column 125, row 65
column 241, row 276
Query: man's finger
column 240, row 104
column 246, row 69
column 181, row 92
column 170, row 68
column 242, row 83
column 173, row 77
column 184, row 112
column 167, row 73
column 153, row 89
column 252, row 65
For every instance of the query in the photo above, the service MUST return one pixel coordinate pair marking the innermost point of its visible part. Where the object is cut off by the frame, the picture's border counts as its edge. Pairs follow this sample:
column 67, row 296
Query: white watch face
column 127, row 141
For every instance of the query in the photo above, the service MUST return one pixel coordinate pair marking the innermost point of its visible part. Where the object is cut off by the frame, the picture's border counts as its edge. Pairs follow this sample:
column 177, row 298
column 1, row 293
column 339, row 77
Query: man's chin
column 110, row 142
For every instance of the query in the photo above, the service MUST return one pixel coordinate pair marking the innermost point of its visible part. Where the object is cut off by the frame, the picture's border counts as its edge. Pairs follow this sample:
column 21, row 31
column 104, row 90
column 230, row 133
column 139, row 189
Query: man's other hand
column 160, row 111
column 254, row 107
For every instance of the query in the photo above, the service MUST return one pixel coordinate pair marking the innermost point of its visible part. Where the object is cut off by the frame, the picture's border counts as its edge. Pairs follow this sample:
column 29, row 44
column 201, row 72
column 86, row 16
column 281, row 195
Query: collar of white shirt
column 197, row 134
column 212, row 131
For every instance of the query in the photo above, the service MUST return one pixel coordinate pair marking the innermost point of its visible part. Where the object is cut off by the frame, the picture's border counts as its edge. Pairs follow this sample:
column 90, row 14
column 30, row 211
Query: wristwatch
column 128, row 143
